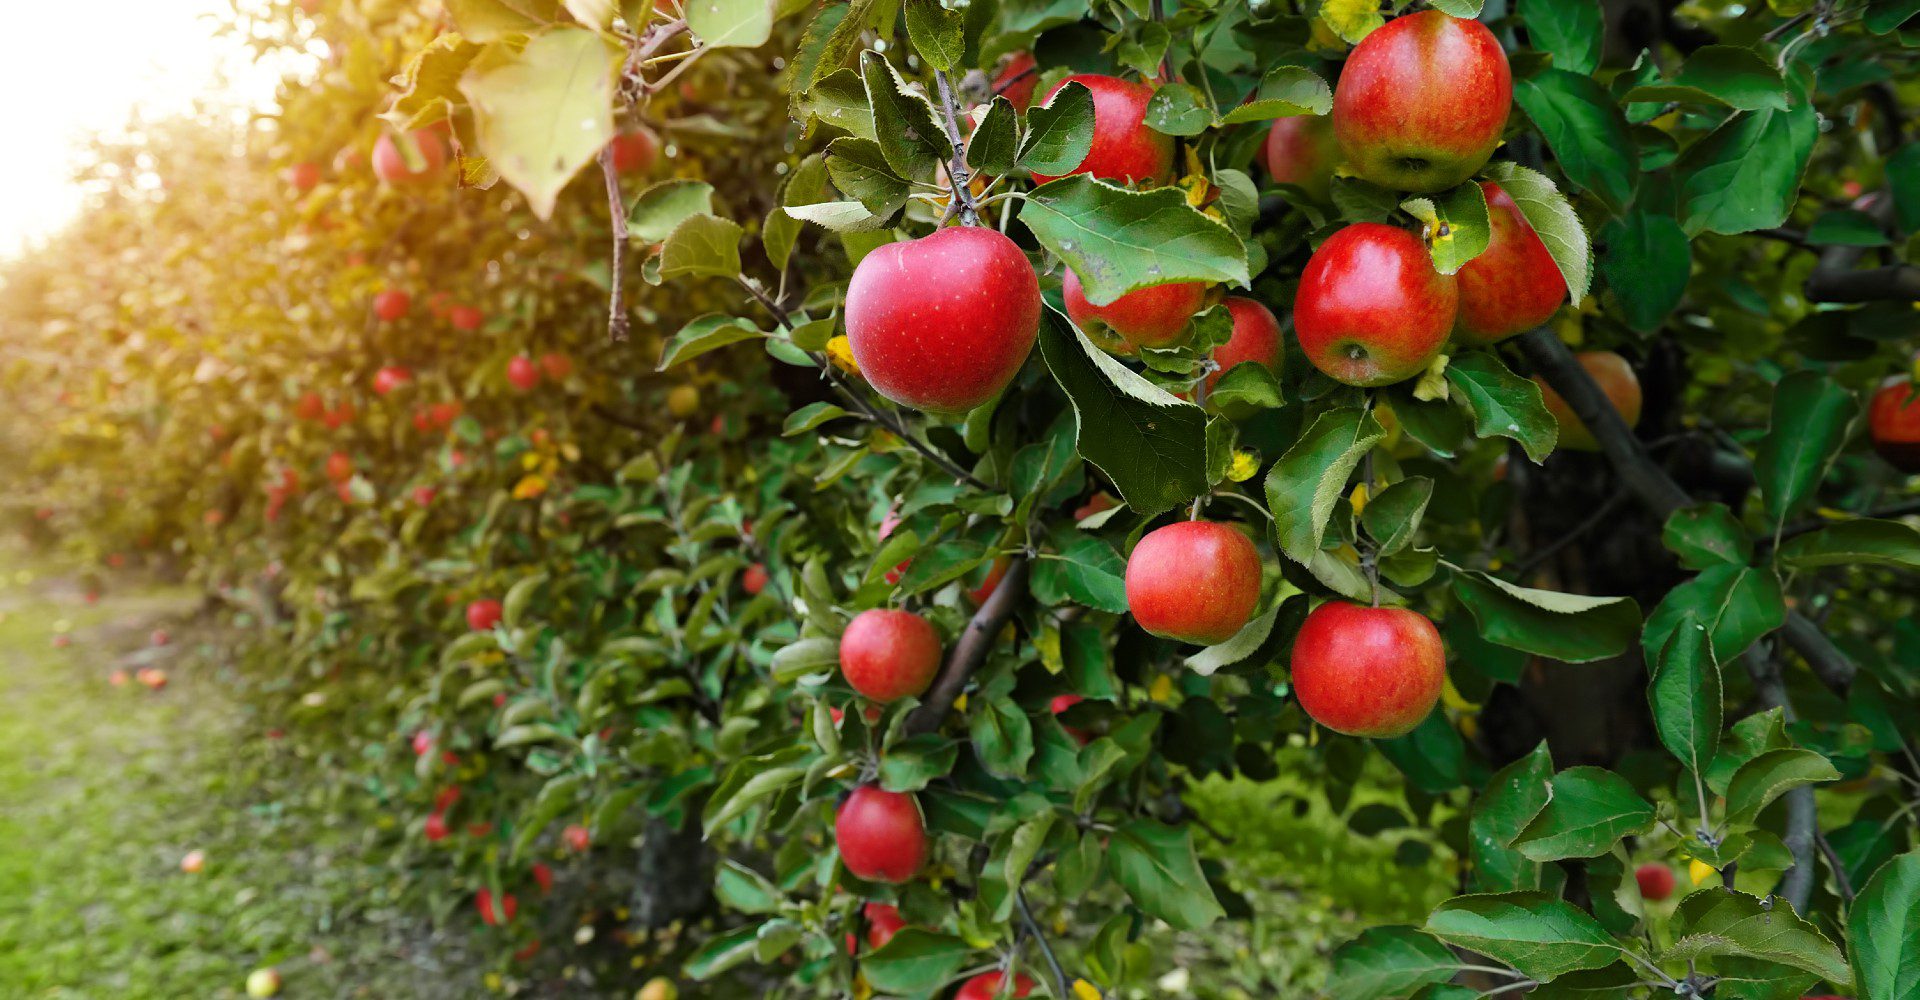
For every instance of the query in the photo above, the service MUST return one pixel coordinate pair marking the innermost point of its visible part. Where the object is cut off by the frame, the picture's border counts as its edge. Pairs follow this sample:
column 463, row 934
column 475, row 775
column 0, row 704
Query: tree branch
column 616, row 206
column 971, row 649
column 957, row 173
column 1046, row 950
column 1900, row 282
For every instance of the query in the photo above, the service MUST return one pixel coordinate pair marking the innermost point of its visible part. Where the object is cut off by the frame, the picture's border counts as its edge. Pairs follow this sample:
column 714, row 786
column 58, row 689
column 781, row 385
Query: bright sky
column 70, row 69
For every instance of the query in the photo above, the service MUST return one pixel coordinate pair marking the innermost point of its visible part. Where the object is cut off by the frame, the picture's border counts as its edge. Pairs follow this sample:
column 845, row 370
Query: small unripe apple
column 1371, row 309
column 1155, row 316
column 658, row 988
column 262, row 983
column 1615, row 377
column 886, row 654
column 1302, row 151
column 1893, row 423
column 1195, row 581
column 1372, row 672
column 483, row 614
column 1255, row 338
column 392, row 304
column 986, row 986
column 390, row 378
column 303, row 177
column 391, row 166
column 1422, row 101
column 634, row 150
column 683, row 401
column 577, row 838
column 557, row 366
column 493, row 914
column 522, row 373
column 1656, row 882
column 754, row 580
column 466, row 319
column 881, row 835
column 1017, row 79
column 1514, row 285
column 194, row 862
column 944, row 322
column 1124, row 149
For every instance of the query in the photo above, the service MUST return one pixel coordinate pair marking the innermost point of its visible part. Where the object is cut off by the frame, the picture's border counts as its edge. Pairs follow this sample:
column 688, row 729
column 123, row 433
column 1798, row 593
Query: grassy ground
column 104, row 789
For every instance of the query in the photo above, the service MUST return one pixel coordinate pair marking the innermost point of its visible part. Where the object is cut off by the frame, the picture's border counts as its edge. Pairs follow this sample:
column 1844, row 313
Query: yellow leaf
column 1433, row 381
column 1359, row 498
column 1162, row 689
column 529, row 487
column 1243, row 466
column 1700, row 871
column 1352, row 20
column 1083, row 990
column 840, row 352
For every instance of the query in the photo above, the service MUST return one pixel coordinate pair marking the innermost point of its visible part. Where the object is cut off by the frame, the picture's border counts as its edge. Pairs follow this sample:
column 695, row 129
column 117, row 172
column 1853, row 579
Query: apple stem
column 617, row 208
column 957, row 174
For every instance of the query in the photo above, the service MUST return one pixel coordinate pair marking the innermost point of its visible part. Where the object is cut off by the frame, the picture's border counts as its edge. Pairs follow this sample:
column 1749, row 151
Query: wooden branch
column 1898, row 283
column 617, row 322
column 970, row 651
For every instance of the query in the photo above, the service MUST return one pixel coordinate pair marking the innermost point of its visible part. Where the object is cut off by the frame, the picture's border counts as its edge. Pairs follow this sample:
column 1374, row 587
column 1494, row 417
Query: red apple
column 1124, row 149
column 338, row 417
column 543, row 876
column 1422, row 101
column 493, row 915
column 1371, row 309
column 577, row 838
column 1195, row 581
column 557, row 366
column 1255, row 338
column 483, row 614
column 1893, row 423
column 883, row 922
column 888, row 655
column 392, row 304
column 1615, row 378
column 880, row 835
column 445, row 798
column 986, row 986
column 991, row 583
column 1514, row 285
column 1302, row 151
column 1096, row 503
column 523, row 373
column 466, row 319
column 304, row 177
column 1656, row 882
column 392, row 377
column 310, row 407
column 754, row 580
column 1016, row 80
column 1372, row 672
column 339, row 466
column 1155, row 316
column 435, row 828
column 390, row 165
column 1062, row 702
column 422, row 743
column 943, row 322
column 634, row 150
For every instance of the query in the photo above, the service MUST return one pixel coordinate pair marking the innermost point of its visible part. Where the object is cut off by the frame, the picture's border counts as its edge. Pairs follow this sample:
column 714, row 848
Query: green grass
column 106, row 788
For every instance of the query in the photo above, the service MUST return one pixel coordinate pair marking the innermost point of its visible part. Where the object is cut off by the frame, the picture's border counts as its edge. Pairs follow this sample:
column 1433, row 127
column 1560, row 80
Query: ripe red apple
column 881, row 835
column 577, row 838
column 543, row 876
column 883, row 922
column 1514, row 285
column 1095, row 504
column 1372, row 672
column 445, row 798
column 1893, row 423
column 153, row 677
column 392, row 377
column 1615, row 378
column 1062, row 702
column 1124, row 149
column 1371, row 309
column 754, row 580
column 304, row 177
column 391, row 166
column 1017, row 79
column 888, row 654
column 423, row 496
column 1656, row 882
column 338, row 417
column 1195, row 581
column 466, row 319
column 557, row 366
column 1255, row 338
column 392, row 304
column 435, row 828
column 422, row 743
column 943, row 322
column 1302, row 151
column 1422, row 101
column 523, row 373
column 991, row 583
column 491, row 914
column 634, row 150
column 1155, row 316
column 339, row 466
column 483, row 614
column 310, row 407
column 986, row 986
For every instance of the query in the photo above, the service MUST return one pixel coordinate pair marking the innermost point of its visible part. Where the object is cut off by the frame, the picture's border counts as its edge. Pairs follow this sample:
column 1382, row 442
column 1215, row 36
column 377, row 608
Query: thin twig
column 1046, row 950
column 1840, row 879
column 1539, row 558
column 971, row 649
column 617, row 322
column 1809, row 527
column 960, row 178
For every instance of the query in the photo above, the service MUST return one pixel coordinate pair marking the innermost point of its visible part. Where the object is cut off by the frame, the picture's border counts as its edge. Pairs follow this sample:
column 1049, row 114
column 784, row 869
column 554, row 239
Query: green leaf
column 1178, row 109
column 941, row 564
column 910, row 764
column 1716, row 922
column 1024, row 845
column 709, row 332
column 1684, row 693
column 1433, row 757
column 730, row 23
column 1746, row 174
column 1772, row 774
column 1393, row 517
column 1156, row 865
column 1811, row 415
column 1903, row 179
column 1510, row 800
column 1568, row 30
column 1846, row 227
column 1572, row 628
column 1284, row 91
column 1059, row 132
column 1863, row 542
column 996, row 140
column 1246, row 387
column 840, row 100
column 1151, row 445
column 1504, row 404
column 860, row 170
column 1002, row 736
column 1553, row 218
column 904, row 123
column 838, row 216
column 1384, row 963
column 1883, row 16
column 1541, row 936
column 702, row 245
column 1303, row 486
column 1086, row 571
column 1883, row 931
column 1457, row 223
column 1118, row 240
column 815, row 655
column 491, row 20
column 937, row 33
column 743, row 889
column 543, row 113
column 1586, row 131
column 1707, row 535
column 810, row 417
column 723, row 952
column 1244, row 643
column 1749, row 738
column 1741, row 604
column 1725, row 75
column 1647, row 260
column 1588, row 810
column 1459, row 8
column 915, row 961
column 657, row 211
